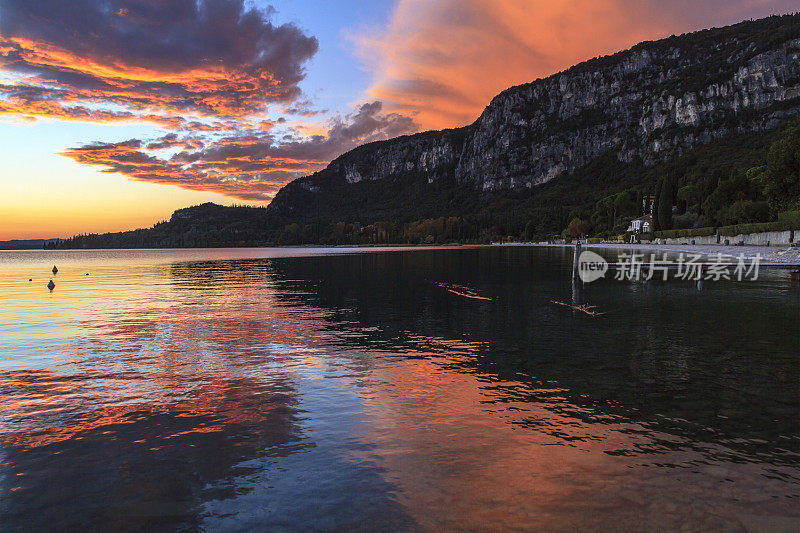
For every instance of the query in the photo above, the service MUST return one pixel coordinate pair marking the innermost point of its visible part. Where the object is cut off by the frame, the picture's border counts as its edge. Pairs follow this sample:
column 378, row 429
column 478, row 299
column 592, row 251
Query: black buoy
column 55, row 270
column 87, row 273
column 51, row 285
column 30, row 279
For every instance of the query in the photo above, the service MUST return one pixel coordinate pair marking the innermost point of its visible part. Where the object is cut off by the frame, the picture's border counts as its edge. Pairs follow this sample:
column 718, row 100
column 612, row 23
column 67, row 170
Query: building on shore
column 640, row 228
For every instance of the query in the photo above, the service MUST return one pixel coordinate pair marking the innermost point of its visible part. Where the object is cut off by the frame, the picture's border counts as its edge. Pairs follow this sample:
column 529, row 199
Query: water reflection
column 659, row 350
column 141, row 466
column 353, row 391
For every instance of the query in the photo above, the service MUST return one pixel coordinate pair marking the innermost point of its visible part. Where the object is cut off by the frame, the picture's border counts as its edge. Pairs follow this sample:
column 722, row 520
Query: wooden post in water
column 576, row 278
column 575, row 274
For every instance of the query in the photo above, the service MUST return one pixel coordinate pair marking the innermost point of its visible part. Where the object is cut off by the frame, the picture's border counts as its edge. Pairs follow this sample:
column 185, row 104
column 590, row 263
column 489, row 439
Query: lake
column 335, row 389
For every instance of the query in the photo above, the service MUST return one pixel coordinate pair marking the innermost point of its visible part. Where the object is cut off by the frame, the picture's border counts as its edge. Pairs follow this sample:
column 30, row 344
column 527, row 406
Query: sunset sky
column 114, row 113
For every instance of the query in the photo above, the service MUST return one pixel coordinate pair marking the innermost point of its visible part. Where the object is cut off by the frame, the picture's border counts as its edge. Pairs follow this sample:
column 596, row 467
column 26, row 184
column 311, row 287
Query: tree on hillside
column 627, row 203
column 665, row 199
column 607, row 212
column 610, row 209
column 738, row 189
column 530, row 230
column 781, row 179
column 578, row 228
column 690, row 196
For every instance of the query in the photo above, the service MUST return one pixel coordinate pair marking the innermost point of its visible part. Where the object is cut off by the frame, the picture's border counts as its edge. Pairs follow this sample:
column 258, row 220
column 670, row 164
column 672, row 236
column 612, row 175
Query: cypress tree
column 665, row 199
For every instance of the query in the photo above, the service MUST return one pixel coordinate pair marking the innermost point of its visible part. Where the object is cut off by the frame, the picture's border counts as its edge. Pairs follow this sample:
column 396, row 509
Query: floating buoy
column 55, row 270
column 87, row 273
column 30, row 279
column 51, row 285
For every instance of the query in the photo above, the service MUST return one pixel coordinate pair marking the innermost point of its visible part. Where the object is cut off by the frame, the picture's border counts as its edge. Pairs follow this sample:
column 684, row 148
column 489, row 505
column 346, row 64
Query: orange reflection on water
column 171, row 385
column 215, row 405
column 462, row 453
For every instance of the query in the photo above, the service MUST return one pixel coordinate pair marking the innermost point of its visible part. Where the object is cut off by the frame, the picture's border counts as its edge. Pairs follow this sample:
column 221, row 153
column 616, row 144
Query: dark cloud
column 369, row 125
column 212, row 57
column 173, row 140
column 206, row 71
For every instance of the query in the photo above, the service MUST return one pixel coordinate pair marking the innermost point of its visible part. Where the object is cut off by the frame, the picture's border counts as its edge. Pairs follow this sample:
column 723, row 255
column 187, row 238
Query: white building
column 642, row 224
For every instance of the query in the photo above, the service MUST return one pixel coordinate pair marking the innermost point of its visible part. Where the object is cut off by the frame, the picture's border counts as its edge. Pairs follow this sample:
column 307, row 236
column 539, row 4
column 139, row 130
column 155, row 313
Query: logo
column 591, row 266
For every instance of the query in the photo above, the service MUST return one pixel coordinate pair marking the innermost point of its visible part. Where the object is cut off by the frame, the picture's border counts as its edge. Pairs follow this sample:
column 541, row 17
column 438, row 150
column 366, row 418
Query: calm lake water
column 332, row 389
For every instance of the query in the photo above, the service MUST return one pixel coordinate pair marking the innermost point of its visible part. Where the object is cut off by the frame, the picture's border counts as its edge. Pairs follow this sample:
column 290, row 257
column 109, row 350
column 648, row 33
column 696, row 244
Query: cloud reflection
column 311, row 391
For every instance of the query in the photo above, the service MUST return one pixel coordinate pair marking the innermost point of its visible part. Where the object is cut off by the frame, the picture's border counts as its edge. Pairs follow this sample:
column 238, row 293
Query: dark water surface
column 251, row 390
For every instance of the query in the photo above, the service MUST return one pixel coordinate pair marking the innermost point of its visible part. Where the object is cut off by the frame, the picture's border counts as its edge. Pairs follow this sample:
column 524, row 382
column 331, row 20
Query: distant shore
column 769, row 254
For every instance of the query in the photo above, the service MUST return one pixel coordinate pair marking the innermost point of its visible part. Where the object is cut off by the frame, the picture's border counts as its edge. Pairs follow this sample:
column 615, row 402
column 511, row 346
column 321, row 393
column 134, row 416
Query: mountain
column 687, row 111
column 205, row 225
column 25, row 244
column 645, row 105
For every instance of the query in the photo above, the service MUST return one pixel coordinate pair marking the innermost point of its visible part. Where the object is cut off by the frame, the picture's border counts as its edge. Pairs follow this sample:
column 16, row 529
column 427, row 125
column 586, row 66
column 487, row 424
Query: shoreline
column 770, row 254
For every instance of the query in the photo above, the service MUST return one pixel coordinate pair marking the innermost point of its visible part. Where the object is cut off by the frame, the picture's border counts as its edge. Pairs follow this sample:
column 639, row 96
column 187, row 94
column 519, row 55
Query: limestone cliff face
column 432, row 153
column 651, row 102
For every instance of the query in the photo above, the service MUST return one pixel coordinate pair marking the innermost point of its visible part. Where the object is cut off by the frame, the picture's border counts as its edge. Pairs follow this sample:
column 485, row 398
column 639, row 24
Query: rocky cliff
column 647, row 104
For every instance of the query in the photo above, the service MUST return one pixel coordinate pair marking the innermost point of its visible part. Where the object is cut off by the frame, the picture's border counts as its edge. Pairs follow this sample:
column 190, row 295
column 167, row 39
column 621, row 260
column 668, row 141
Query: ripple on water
column 323, row 389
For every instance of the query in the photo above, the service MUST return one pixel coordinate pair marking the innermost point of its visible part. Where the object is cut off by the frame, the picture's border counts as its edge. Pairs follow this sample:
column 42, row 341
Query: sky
column 114, row 113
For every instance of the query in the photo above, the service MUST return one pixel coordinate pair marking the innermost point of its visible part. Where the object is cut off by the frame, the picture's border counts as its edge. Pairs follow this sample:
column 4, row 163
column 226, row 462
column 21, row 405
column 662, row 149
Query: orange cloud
column 68, row 87
column 252, row 164
column 216, row 58
column 249, row 177
column 208, row 72
column 442, row 62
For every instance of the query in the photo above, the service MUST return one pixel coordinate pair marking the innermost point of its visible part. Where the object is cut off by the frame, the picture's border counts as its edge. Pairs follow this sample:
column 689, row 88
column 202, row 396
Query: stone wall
column 773, row 238
column 761, row 239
